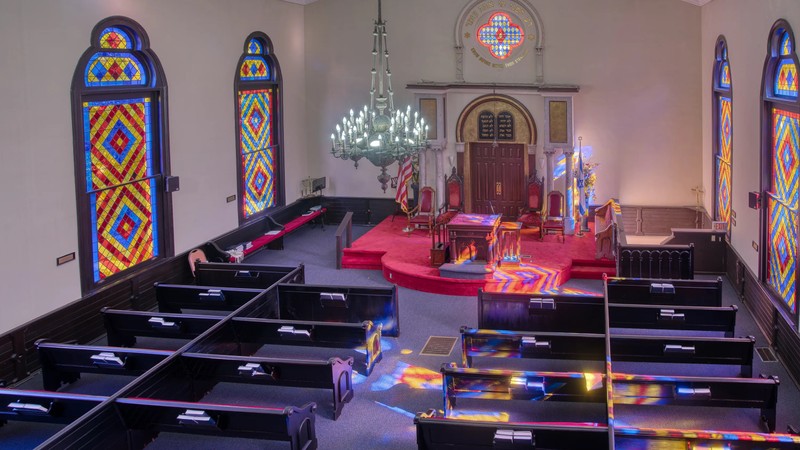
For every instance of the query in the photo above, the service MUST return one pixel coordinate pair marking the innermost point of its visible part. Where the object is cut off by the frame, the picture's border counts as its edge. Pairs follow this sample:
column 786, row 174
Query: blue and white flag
column 582, row 209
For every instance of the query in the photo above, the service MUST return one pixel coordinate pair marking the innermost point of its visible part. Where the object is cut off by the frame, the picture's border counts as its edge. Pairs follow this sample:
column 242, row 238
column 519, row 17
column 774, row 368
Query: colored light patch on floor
column 526, row 278
column 412, row 376
column 397, row 410
column 481, row 416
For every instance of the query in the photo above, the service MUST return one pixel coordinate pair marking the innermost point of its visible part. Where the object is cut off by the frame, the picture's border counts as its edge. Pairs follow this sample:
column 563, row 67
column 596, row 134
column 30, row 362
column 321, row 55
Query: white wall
column 199, row 43
column 745, row 25
column 637, row 63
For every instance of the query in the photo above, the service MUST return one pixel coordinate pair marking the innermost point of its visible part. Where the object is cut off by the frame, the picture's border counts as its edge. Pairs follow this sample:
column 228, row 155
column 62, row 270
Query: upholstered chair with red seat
column 531, row 214
column 454, row 198
column 554, row 218
column 424, row 214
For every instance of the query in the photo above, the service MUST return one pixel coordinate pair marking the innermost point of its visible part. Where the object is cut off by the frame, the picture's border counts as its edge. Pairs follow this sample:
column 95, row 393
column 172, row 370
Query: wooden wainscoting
column 660, row 220
column 776, row 325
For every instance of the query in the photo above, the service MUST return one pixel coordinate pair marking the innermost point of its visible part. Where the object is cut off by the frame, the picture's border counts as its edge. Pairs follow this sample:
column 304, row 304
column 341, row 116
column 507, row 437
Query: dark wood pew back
column 174, row 298
column 339, row 304
column 45, row 406
column 665, row 292
column 243, row 275
column 123, row 326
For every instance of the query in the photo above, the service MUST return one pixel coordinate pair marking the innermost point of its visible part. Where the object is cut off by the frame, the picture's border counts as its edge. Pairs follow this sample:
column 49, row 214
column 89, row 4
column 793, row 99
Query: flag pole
column 581, row 189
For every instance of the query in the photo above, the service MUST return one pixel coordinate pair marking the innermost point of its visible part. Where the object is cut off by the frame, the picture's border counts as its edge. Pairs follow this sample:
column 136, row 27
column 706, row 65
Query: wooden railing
column 345, row 229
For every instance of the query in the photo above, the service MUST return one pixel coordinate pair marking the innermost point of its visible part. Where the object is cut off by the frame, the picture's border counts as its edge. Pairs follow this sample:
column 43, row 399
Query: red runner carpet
column 404, row 260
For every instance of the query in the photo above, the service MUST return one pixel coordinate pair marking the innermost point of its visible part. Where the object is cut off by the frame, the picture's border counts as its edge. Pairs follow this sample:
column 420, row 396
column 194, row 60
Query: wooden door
column 497, row 177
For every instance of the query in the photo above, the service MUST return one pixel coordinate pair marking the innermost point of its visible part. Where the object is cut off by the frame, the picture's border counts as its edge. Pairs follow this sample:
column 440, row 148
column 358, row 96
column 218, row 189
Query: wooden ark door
column 497, row 178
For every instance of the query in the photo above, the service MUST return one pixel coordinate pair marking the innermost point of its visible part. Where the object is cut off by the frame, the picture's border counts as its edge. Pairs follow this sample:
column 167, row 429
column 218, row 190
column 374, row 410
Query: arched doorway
column 499, row 134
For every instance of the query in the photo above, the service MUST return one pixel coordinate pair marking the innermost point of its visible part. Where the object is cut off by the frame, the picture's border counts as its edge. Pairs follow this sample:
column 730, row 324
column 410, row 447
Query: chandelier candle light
column 379, row 132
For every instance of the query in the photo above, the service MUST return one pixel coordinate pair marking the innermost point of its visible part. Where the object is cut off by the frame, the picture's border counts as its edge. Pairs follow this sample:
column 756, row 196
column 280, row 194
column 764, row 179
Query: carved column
column 569, row 180
column 459, row 64
column 550, row 168
column 540, row 65
column 423, row 168
column 438, row 155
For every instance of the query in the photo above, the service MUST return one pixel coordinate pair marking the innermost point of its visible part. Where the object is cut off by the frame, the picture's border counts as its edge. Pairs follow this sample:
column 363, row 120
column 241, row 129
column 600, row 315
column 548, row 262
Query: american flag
column 404, row 172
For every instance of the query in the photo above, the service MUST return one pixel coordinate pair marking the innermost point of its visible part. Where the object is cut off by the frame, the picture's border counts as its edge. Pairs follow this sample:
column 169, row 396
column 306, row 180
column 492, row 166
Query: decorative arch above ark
column 499, row 34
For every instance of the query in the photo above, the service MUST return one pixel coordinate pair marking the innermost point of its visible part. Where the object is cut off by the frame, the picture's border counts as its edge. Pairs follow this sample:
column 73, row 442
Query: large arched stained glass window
column 259, row 128
column 723, row 133
column 121, row 154
column 781, row 165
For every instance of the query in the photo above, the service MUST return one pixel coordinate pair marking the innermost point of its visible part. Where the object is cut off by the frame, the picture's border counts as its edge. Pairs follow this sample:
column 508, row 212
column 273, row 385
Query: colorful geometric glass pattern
column 258, row 158
column 786, row 78
column 254, row 47
column 500, row 35
column 115, row 38
column 114, row 69
column 254, row 68
column 723, row 182
column 782, row 205
column 120, row 185
column 118, row 142
column 786, row 44
column 725, row 76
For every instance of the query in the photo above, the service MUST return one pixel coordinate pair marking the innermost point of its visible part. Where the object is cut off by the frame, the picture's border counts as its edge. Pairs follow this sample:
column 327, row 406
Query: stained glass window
column 781, row 159
column 500, row 35
column 258, row 160
column 120, row 196
column 783, row 203
column 258, row 125
column 723, row 132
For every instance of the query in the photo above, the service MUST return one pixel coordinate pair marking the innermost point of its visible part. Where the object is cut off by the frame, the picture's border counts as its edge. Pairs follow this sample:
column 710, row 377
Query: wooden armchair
column 454, row 198
column 554, row 220
column 531, row 214
column 424, row 214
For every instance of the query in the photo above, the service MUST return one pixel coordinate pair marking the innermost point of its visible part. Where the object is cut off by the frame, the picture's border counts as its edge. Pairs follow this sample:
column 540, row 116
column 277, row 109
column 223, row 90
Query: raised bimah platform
column 474, row 246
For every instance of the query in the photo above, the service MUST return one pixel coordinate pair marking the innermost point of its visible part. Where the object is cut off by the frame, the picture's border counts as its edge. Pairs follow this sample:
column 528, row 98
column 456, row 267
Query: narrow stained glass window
column 723, row 132
column 120, row 151
column 781, row 161
column 782, row 205
column 258, row 126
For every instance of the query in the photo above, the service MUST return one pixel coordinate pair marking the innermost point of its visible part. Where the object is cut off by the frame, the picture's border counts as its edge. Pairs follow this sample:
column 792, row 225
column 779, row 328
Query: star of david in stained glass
column 500, row 35
column 782, row 251
column 259, row 182
column 124, row 234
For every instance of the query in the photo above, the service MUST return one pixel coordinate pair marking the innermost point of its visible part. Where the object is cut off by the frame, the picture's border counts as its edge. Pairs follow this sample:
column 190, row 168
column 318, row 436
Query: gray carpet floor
column 380, row 415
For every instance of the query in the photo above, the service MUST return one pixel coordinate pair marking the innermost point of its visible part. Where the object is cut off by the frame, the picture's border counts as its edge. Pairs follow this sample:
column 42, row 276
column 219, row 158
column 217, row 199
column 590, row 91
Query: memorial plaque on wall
column 486, row 125
column 558, row 122
column 428, row 111
column 505, row 126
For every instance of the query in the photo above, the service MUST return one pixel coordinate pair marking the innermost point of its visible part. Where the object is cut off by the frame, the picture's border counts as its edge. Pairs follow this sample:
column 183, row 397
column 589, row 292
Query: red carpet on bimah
column 405, row 259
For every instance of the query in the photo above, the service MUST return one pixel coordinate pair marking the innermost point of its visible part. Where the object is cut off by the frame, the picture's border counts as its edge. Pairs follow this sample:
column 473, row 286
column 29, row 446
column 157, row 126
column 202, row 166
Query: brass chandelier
column 379, row 132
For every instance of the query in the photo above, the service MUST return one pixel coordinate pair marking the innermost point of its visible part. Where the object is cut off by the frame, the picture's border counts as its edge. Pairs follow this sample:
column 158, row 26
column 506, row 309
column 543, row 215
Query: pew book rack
column 589, row 335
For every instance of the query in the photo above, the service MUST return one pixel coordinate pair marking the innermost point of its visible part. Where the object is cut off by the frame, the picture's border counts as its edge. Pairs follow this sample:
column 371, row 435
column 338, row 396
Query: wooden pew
column 132, row 423
column 44, row 406
column 751, row 393
column 659, row 292
column 584, row 346
column 579, row 314
column 64, row 363
column 334, row 373
column 436, row 432
column 243, row 275
column 174, row 298
column 245, row 336
column 323, row 303
column 123, row 326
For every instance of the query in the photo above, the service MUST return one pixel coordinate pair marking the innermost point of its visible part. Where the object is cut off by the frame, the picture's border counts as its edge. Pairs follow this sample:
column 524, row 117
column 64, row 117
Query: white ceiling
column 308, row 2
